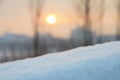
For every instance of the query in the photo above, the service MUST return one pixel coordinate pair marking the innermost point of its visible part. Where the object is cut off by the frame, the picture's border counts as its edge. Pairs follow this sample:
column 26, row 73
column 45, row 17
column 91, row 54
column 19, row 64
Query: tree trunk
column 87, row 24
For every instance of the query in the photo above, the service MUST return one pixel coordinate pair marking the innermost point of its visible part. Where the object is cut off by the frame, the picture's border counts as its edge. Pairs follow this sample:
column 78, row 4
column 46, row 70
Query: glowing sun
column 51, row 19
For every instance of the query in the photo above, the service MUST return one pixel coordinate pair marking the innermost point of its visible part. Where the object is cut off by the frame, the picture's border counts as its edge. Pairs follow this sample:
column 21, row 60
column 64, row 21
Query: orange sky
column 15, row 17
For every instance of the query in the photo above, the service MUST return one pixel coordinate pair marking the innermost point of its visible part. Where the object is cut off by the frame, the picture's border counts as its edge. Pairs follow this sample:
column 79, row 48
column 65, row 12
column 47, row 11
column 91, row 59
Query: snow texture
column 99, row 62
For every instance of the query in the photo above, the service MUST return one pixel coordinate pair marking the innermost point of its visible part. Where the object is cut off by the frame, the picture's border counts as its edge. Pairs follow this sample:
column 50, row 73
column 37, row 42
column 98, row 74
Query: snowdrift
column 99, row 62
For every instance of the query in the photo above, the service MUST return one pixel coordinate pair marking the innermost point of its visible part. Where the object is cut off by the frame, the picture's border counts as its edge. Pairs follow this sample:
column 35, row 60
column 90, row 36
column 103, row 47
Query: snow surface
column 99, row 62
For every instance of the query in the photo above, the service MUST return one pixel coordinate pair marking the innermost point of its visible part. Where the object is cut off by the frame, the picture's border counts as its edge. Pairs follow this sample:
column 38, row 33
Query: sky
column 15, row 17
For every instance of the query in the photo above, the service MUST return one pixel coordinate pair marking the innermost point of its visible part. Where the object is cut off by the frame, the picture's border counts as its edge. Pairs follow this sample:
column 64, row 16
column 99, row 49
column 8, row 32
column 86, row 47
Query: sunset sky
column 15, row 17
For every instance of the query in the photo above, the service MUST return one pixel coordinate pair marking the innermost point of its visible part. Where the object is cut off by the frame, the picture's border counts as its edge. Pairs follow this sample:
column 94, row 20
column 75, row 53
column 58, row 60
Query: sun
column 51, row 19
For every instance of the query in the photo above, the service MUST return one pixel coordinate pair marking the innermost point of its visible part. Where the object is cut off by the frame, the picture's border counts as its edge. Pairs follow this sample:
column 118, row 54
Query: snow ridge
column 99, row 62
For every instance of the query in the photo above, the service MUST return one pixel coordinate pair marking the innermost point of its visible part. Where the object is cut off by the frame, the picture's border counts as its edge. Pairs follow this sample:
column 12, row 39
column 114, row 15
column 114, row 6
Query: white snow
column 99, row 62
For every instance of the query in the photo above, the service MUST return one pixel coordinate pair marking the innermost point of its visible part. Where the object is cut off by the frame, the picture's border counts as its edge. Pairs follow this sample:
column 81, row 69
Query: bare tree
column 3, row 50
column 101, row 16
column 118, row 27
column 87, row 25
column 83, row 8
column 36, row 7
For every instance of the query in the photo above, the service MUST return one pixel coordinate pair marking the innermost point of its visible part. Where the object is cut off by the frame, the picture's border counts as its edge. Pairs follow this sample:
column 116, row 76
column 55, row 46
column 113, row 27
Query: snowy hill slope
column 99, row 62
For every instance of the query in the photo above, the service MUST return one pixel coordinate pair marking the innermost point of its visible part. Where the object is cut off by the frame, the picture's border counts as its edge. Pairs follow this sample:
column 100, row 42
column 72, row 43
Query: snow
column 99, row 62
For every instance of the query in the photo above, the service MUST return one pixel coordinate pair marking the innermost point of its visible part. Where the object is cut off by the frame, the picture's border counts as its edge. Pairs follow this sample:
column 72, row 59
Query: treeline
column 13, row 47
column 100, row 16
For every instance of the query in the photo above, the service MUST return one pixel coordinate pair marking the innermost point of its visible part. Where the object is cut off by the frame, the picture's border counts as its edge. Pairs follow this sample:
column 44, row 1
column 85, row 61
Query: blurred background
column 31, row 28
